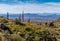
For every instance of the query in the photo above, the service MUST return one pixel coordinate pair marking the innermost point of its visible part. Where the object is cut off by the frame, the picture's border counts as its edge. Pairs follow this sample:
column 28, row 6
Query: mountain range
column 34, row 16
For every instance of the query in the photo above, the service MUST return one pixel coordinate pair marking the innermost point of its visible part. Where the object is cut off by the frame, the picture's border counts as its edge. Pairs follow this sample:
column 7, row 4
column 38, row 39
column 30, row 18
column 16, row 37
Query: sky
column 30, row 6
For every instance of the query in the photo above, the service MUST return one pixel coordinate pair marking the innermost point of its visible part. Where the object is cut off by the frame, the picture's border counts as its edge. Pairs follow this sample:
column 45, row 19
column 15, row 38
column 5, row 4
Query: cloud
column 31, row 8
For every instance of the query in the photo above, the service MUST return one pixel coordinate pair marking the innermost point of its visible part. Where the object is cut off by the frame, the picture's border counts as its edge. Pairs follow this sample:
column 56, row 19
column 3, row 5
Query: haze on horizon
column 30, row 6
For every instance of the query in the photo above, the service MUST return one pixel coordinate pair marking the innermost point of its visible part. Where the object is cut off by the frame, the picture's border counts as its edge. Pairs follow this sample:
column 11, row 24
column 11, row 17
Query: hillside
column 15, row 30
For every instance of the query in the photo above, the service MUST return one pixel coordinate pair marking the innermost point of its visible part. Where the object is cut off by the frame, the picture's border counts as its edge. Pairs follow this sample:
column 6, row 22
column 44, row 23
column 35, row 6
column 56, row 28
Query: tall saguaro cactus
column 22, row 16
column 7, row 15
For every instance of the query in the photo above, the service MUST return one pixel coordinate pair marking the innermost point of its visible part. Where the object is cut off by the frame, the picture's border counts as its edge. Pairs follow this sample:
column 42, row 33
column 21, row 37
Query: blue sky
column 30, row 6
column 28, row 1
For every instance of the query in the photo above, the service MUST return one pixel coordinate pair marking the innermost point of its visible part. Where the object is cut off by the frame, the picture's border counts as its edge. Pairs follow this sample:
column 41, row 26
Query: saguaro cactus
column 22, row 16
column 7, row 15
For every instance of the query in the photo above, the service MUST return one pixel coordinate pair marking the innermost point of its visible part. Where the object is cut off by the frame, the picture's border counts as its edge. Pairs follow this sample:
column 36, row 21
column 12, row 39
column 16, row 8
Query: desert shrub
column 40, row 34
column 28, row 29
column 0, row 38
column 29, row 38
column 46, row 23
column 15, row 37
column 47, row 36
column 40, row 23
column 51, row 24
column 22, row 35
column 19, row 22
column 5, row 21
column 1, row 16
column 4, row 27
